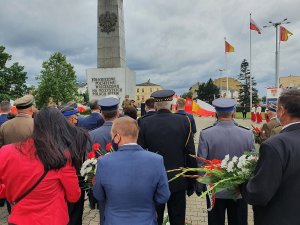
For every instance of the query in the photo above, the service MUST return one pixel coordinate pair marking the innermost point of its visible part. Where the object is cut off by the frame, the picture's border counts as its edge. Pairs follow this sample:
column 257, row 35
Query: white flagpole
column 250, row 68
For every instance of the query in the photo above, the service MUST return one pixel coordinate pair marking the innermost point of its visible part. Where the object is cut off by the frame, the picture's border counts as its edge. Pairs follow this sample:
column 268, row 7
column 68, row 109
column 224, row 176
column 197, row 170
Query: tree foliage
column 187, row 95
column 12, row 79
column 57, row 79
column 208, row 91
column 244, row 91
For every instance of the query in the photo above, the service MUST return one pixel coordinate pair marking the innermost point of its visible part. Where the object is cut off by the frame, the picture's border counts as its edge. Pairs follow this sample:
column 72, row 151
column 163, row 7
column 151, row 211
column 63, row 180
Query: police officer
column 272, row 127
column 110, row 111
column 225, row 137
column 170, row 135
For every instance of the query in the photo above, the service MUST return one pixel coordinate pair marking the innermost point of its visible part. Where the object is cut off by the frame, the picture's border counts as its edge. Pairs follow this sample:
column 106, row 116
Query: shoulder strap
column 190, row 131
column 31, row 189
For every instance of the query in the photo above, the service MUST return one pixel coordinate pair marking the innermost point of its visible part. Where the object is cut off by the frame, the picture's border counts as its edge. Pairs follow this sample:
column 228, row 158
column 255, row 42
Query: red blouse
column 46, row 204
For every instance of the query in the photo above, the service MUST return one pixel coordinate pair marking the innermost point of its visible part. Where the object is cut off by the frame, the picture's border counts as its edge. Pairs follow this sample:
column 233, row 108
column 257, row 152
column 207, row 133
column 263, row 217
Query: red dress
column 46, row 204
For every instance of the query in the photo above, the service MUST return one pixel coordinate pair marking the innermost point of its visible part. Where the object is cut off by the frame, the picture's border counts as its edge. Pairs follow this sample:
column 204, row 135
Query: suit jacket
column 149, row 113
column 191, row 118
column 130, row 183
column 102, row 135
column 225, row 138
column 46, row 204
column 169, row 135
column 16, row 129
column 274, row 189
column 91, row 122
column 3, row 119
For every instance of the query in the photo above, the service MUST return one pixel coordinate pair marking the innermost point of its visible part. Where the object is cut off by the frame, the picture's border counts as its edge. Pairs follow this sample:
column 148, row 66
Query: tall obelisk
column 112, row 77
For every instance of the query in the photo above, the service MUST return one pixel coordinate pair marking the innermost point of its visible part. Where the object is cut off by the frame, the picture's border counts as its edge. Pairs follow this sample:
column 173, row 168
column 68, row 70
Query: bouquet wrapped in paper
column 226, row 174
column 89, row 167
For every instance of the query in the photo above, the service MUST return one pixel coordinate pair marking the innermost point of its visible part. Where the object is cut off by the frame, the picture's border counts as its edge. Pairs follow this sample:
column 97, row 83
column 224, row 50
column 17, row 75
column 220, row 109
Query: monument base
column 103, row 82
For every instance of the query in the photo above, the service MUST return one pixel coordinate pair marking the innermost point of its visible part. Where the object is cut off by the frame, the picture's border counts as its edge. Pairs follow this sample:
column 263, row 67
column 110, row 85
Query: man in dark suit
column 4, row 110
column 149, row 108
column 180, row 110
column 274, row 189
column 170, row 135
column 131, row 181
column 94, row 120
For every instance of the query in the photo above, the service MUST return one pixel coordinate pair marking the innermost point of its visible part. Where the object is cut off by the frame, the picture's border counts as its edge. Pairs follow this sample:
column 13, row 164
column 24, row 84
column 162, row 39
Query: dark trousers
column 76, row 210
column 237, row 212
column 244, row 115
column 176, row 209
column 2, row 203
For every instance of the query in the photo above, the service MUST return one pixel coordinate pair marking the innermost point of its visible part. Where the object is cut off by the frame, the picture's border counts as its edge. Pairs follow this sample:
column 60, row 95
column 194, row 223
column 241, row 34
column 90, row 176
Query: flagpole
column 250, row 67
column 226, row 70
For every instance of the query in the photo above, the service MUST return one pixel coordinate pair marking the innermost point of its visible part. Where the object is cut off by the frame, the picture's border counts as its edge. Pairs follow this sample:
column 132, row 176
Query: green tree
column 208, row 91
column 187, row 95
column 12, row 79
column 244, row 91
column 57, row 79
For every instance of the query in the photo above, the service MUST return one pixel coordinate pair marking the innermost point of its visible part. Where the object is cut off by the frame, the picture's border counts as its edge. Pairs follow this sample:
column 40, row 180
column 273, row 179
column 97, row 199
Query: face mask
column 115, row 145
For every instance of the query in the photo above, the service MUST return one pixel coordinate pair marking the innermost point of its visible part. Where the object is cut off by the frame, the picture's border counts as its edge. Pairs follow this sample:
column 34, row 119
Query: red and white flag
column 253, row 26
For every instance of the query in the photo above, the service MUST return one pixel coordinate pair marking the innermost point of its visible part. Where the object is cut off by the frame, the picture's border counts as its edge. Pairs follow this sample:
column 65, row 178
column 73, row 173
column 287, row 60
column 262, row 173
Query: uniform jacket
column 91, row 122
column 274, row 189
column 3, row 119
column 225, row 138
column 169, row 135
column 16, row 129
column 149, row 113
column 269, row 129
column 102, row 135
column 191, row 118
column 130, row 183
column 46, row 204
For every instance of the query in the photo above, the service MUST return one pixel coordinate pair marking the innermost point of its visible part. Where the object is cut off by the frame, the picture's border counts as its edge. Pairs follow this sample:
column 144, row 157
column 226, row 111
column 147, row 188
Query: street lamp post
column 276, row 24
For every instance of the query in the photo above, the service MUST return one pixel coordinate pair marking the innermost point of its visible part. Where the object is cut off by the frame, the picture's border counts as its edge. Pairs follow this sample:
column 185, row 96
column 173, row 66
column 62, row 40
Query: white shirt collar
column 130, row 144
column 289, row 125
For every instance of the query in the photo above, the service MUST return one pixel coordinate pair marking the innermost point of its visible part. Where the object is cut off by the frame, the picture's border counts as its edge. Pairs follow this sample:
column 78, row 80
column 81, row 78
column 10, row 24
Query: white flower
column 94, row 161
column 86, row 178
column 89, row 169
column 87, row 162
column 168, row 223
column 234, row 159
column 230, row 167
column 224, row 161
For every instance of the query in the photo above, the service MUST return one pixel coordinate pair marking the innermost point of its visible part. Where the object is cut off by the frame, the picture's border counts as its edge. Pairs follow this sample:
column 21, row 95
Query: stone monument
column 111, row 77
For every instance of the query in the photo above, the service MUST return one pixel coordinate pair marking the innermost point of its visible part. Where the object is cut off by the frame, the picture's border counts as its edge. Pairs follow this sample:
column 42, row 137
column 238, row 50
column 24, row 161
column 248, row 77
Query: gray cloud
column 174, row 43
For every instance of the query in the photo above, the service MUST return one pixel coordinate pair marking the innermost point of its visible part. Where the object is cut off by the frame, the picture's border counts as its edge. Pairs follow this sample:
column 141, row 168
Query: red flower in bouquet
column 96, row 147
column 109, row 147
column 214, row 164
column 91, row 155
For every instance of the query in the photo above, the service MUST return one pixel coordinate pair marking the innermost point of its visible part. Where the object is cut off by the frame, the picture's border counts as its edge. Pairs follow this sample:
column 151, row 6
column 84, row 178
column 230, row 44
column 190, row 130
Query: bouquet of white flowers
column 226, row 174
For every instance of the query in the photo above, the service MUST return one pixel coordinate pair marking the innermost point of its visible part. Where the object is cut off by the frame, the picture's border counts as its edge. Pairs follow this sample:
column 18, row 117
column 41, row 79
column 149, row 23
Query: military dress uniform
column 270, row 128
column 226, row 138
column 170, row 135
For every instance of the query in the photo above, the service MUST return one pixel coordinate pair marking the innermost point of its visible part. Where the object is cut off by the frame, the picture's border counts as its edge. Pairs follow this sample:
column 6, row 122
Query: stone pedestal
column 103, row 82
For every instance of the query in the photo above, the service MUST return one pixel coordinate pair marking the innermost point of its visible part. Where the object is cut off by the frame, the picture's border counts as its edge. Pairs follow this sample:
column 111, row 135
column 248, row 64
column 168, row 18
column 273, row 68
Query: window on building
column 138, row 90
column 142, row 89
column 138, row 98
column 150, row 89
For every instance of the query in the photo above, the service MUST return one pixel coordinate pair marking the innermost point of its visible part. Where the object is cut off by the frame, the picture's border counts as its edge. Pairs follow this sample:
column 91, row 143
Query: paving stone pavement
column 196, row 212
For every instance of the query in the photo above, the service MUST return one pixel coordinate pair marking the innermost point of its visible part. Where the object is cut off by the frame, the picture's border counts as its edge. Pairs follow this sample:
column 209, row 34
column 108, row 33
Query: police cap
column 24, row 102
column 163, row 95
column 109, row 104
column 224, row 104
column 69, row 111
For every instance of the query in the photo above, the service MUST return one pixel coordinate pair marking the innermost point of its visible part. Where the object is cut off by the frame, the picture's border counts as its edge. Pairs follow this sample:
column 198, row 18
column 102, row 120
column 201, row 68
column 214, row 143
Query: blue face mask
column 115, row 145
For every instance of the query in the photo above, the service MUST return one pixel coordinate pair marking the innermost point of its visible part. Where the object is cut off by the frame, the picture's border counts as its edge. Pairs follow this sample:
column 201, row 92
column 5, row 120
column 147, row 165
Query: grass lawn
column 239, row 115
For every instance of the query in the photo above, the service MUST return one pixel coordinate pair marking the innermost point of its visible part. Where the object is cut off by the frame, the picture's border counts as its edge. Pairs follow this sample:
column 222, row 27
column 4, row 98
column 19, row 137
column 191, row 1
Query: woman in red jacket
column 52, row 148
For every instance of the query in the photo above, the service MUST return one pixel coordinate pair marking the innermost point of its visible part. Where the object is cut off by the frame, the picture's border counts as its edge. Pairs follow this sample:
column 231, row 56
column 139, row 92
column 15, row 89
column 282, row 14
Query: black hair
column 94, row 105
column 150, row 103
column 131, row 112
column 290, row 100
column 56, row 141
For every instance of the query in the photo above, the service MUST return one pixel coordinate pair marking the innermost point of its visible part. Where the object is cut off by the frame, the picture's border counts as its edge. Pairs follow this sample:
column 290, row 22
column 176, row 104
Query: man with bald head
column 130, row 182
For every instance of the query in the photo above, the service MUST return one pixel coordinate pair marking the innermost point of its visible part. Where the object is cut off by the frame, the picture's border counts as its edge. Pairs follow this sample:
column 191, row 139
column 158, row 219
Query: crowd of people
column 41, row 153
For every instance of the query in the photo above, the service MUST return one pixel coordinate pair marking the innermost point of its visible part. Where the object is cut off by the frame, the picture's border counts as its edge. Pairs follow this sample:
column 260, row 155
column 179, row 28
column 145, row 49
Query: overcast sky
column 175, row 43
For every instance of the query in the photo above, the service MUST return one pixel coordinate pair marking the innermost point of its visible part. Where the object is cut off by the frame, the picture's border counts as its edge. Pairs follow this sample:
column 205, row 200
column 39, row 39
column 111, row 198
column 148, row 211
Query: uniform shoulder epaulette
column 207, row 127
column 246, row 128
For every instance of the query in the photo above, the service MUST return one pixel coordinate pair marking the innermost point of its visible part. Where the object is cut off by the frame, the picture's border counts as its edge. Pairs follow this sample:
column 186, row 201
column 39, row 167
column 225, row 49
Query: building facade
column 143, row 91
column 291, row 81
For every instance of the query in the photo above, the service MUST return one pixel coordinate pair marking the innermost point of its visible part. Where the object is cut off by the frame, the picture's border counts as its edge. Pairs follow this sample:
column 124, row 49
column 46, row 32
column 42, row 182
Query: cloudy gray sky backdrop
column 175, row 43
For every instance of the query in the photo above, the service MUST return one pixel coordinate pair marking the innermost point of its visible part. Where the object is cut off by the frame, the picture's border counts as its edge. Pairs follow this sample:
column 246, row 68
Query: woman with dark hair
column 38, row 175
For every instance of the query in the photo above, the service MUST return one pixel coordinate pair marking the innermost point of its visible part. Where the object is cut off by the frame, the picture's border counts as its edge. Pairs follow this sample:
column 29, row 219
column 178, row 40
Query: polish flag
column 253, row 26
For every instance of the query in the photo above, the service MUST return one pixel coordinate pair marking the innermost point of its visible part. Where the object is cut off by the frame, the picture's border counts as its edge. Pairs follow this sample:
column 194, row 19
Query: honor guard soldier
column 270, row 128
column 226, row 138
column 71, row 114
column 170, row 135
